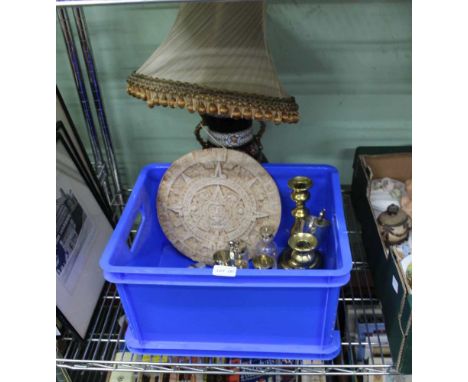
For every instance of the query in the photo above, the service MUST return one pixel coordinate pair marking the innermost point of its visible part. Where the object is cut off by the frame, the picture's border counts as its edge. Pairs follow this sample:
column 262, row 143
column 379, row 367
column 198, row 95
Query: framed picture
column 83, row 228
column 67, row 132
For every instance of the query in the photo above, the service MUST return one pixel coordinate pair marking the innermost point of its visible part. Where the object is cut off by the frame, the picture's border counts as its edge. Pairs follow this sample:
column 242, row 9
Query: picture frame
column 83, row 228
column 66, row 130
column 89, row 176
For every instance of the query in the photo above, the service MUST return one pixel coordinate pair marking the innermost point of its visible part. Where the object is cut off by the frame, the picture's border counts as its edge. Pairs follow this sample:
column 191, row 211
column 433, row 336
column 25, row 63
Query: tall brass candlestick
column 300, row 186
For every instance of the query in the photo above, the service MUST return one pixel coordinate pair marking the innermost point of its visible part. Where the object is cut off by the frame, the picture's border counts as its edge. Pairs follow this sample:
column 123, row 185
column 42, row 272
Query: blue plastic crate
column 175, row 310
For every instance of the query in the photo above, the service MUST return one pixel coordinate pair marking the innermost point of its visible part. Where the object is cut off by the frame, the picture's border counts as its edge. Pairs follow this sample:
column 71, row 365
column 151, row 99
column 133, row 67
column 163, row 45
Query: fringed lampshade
column 216, row 62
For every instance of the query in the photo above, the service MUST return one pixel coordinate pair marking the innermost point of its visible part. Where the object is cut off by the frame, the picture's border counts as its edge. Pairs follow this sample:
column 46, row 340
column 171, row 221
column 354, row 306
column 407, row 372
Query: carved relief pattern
column 209, row 197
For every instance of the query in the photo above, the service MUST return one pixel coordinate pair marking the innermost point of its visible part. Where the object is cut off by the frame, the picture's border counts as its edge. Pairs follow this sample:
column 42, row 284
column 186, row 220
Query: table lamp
column 215, row 62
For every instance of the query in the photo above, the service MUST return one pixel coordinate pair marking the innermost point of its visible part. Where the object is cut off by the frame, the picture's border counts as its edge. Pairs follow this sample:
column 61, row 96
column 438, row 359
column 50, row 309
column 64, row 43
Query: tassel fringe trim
column 195, row 98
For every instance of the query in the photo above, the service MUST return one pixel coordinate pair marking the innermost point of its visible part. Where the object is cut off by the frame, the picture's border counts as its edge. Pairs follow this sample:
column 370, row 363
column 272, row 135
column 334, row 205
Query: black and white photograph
column 82, row 231
column 75, row 142
column 74, row 228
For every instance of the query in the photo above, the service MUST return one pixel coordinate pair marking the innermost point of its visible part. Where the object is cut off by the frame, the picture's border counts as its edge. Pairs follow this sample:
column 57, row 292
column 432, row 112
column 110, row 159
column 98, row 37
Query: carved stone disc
column 209, row 197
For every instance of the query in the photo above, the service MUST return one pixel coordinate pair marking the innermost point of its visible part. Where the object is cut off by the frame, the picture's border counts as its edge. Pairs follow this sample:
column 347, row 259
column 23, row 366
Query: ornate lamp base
column 236, row 134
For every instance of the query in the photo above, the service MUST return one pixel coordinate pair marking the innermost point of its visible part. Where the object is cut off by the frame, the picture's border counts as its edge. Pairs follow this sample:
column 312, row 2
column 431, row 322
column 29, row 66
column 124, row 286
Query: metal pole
column 86, row 48
column 74, row 3
column 81, row 89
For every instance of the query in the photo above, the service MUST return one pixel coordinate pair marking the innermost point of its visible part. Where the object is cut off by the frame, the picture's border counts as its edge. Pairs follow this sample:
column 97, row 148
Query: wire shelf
column 104, row 350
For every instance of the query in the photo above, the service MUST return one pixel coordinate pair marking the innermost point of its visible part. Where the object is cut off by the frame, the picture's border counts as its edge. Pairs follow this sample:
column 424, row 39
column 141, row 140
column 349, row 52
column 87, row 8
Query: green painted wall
column 347, row 62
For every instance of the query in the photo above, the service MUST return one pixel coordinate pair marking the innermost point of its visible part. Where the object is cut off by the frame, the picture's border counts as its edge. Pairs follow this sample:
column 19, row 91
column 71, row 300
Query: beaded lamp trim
column 236, row 139
column 195, row 98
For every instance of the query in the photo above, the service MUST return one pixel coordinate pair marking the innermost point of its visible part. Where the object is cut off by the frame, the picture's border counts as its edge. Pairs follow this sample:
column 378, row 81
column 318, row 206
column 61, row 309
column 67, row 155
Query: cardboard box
column 390, row 284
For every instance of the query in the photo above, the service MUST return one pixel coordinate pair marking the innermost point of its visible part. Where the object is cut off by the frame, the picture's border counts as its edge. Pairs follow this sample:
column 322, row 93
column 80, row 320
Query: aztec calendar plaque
column 209, row 197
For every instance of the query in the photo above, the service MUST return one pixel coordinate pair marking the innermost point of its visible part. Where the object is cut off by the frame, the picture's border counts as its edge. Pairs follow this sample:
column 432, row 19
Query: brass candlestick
column 222, row 257
column 238, row 254
column 301, row 252
column 300, row 186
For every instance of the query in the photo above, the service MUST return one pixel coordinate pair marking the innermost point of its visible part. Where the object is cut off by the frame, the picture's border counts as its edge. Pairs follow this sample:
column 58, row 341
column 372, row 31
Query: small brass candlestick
column 238, row 254
column 222, row 257
column 263, row 262
column 301, row 252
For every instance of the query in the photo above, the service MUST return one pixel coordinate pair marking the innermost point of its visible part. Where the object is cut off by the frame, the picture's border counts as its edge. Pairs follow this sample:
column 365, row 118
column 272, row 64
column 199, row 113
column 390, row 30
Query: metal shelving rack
column 104, row 349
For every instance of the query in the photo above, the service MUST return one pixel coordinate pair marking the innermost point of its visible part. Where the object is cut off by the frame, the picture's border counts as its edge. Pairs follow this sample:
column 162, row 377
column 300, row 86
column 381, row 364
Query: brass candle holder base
column 263, row 262
column 287, row 262
column 222, row 257
column 301, row 253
